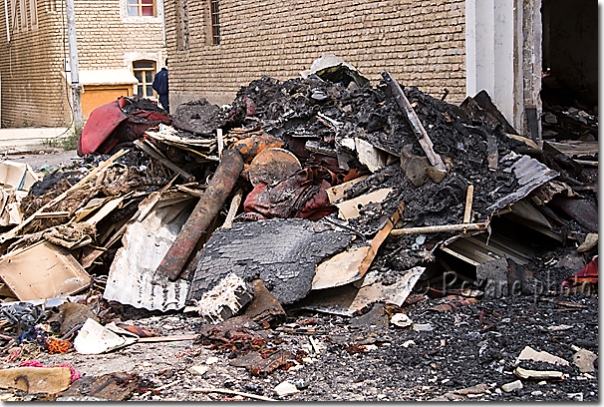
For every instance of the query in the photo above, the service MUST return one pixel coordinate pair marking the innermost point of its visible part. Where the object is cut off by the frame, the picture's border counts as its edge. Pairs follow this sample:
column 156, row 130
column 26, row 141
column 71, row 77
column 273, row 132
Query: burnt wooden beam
column 220, row 186
column 416, row 124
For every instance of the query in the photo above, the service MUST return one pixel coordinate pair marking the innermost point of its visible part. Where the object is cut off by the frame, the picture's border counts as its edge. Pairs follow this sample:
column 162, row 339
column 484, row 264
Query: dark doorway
column 570, row 69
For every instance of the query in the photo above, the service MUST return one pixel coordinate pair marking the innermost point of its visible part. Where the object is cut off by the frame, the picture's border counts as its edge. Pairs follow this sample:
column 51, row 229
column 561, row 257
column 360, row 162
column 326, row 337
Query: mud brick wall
column 34, row 91
column 421, row 43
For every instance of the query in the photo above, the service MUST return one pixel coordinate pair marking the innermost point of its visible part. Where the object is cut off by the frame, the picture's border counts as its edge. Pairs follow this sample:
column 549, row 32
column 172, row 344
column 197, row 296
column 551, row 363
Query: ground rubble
column 317, row 239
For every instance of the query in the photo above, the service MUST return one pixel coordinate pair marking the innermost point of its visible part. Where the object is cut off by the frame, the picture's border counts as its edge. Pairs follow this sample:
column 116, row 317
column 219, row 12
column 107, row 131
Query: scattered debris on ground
column 317, row 239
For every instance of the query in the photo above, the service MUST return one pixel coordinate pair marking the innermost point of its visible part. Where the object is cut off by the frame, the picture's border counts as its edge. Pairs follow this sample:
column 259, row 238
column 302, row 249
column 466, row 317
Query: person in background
column 160, row 85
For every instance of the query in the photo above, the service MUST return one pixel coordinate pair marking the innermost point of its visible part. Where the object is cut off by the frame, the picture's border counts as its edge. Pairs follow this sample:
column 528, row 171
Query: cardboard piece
column 43, row 271
column 345, row 300
column 370, row 156
column 350, row 209
column 584, row 359
column 352, row 264
column 529, row 353
column 17, row 176
column 339, row 191
column 395, row 293
column 33, row 380
column 94, row 339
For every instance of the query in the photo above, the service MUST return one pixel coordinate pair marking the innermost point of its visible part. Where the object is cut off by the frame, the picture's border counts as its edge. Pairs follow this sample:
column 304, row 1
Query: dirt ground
column 473, row 346
column 49, row 161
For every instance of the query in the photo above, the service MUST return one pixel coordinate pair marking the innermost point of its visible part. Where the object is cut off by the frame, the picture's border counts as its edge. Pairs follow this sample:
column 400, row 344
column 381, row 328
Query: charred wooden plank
column 415, row 123
column 283, row 253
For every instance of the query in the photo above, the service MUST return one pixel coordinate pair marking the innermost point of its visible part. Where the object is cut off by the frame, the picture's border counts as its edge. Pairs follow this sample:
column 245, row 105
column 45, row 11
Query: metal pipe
column 73, row 64
column 6, row 17
column 220, row 186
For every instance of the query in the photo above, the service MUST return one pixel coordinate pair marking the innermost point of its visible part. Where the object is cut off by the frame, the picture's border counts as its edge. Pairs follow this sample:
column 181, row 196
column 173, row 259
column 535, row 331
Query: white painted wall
column 490, row 54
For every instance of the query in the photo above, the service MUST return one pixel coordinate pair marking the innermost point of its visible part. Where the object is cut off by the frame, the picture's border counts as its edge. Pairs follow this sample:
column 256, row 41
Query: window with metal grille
column 144, row 72
column 141, row 8
column 215, row 22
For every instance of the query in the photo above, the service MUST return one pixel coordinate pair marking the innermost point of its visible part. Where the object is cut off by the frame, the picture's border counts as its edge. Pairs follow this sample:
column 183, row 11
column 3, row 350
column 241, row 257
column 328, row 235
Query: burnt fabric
column 120, row 121
column 302, row 195
column 589, row 274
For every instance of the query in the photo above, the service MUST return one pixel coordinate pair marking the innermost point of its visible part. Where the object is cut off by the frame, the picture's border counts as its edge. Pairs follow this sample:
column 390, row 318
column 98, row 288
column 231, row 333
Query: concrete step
column 31, row 140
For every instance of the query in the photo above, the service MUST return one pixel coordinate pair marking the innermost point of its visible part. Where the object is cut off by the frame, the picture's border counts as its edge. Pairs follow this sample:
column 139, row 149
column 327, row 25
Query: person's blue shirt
column 160, row 85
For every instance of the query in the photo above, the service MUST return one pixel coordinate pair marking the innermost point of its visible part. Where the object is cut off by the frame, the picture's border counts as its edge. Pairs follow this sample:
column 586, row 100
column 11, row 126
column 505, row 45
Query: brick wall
column 421, row 43
column 34, row 91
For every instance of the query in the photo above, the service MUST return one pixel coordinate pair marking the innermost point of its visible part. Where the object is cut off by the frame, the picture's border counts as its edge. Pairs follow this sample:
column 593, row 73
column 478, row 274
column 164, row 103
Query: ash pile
column 319, row 193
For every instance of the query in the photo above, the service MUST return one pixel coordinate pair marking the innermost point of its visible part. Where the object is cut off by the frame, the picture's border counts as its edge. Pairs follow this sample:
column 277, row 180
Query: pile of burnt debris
column 319, row 193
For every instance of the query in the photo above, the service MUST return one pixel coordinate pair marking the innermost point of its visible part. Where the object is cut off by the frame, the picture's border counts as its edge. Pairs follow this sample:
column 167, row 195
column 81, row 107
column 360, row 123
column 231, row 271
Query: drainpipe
column 6, row 17
column 73, row 63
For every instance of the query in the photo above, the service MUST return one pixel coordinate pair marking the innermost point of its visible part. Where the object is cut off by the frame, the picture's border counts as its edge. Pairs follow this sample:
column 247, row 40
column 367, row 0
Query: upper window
column 215, row 22
column 144, row 72
column 141, row 8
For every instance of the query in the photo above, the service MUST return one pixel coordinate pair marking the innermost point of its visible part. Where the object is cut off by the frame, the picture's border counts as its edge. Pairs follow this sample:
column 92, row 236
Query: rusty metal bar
column 220, row 186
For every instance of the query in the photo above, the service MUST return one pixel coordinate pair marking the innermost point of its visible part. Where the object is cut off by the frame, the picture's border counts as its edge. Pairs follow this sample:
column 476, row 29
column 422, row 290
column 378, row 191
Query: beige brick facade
column 421, row 43
column 34, row 90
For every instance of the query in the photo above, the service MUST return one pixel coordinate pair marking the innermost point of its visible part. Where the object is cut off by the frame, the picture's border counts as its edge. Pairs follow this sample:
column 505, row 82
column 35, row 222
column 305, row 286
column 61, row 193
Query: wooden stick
column 192, row 192
column 165, row 386
column 13, row 232
column 379, row 238
column 48, row 215
column 439, row 228
column 219, row 141
column 416, row 124
column 227, row 391
column 171, row 338
column 228, row 222
column 314, row 345
column 469, row 199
